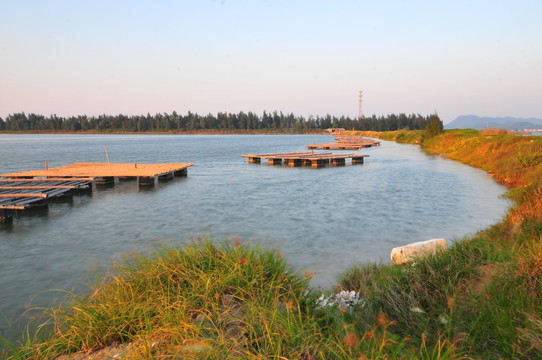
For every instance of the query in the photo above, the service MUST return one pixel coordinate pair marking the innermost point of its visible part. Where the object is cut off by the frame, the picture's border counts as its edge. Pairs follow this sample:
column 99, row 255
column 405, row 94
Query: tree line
column 163, row 122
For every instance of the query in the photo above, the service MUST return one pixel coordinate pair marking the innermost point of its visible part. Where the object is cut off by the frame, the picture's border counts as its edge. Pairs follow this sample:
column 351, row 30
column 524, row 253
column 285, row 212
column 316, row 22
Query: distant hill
column 479, row 123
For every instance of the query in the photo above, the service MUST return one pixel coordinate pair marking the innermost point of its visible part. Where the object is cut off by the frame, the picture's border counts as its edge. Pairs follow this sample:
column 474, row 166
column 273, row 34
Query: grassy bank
column 480, row 299
column 206, row 300
column 484, row 295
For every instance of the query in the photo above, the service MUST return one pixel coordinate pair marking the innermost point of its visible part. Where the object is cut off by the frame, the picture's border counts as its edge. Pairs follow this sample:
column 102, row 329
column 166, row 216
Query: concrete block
column 408, row 253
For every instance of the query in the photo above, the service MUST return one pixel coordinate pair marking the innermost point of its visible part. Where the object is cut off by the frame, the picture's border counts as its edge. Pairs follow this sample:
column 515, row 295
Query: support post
column 166, row 176
column 181, row 173
column 6, row 216
column 105, row 180
column 357, row 160
column 339, row 162
column 275, row 161
column 295, row 162
column 318, row 163
column 146, row 181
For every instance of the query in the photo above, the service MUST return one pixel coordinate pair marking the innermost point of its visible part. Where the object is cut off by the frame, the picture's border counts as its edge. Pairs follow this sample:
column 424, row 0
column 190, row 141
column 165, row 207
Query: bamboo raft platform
column 345, row 142
column 106, row 172
column 24, row 194
column 339, row 146
column 315, row 160
column 31, row 189
column 353, row 139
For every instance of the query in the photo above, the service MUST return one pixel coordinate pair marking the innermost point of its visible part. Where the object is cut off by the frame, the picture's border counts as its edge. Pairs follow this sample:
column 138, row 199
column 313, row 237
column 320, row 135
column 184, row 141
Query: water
column 321, row 220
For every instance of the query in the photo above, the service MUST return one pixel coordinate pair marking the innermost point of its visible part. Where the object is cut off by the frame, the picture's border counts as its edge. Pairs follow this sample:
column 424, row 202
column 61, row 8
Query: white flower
column 344, row 299
column 417, row 309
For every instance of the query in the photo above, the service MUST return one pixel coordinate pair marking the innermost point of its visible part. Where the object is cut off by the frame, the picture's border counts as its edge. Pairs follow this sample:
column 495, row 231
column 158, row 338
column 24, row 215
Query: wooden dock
column 345, row 142
column 314, row 160
column 30, row 189
column 338, row 146
column 24, row 194
column 106, row 172
column 353, row 139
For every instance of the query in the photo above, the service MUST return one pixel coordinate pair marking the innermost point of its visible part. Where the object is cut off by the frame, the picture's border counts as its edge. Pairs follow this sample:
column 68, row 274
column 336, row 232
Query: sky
column 307, row 57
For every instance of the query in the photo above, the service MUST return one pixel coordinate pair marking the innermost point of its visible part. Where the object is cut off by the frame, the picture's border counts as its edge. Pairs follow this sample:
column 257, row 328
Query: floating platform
column 353, row 139
column 30, row 189
column 314, row 160
column 105, row 170
column 345, row 142
column 24, row 194
column 339, row 146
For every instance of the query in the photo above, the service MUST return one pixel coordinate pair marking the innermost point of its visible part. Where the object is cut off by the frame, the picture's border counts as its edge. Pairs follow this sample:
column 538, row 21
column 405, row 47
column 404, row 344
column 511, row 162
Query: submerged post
column 6, row 216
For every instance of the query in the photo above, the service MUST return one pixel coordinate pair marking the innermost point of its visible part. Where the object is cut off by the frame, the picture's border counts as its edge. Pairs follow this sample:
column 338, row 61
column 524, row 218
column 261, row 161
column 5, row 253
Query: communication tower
column 360, row 100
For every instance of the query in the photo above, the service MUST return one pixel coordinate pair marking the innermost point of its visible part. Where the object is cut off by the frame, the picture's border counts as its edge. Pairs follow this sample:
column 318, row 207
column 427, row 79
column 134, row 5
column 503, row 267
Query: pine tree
column 434, row 126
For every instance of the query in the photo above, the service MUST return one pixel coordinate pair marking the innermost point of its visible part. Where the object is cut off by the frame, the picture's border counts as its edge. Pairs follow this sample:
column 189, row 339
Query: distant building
column 334, row 130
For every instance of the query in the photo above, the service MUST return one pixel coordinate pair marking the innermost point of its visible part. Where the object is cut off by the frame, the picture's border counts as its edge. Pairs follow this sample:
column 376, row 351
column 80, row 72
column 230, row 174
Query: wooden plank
column 58, row 192
column 23, row 195
column 276, row 154
column 38, row 187
column 12, row 207
column 45, row 179
column 22, row 201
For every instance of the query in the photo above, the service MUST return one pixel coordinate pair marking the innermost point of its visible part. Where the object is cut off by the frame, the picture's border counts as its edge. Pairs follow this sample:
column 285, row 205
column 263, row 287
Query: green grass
column 485, row 293
column 471, row 296
column 221, row 298
column 212, row 301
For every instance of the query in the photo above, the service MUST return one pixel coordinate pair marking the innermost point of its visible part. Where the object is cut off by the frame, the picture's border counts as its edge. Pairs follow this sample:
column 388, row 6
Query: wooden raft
column 29, row 189
column 339, row 146
column 315, row 160
column 95, row 170
column 353, row 139
column 23, row 194
column 345, row 142
column 20, row 194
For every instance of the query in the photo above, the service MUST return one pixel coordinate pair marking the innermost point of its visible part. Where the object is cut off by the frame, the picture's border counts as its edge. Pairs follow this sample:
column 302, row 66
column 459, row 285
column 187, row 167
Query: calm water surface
column 322, row 220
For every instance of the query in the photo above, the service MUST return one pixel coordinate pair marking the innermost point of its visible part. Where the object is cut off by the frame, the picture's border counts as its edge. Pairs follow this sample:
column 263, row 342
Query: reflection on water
column 322, row 220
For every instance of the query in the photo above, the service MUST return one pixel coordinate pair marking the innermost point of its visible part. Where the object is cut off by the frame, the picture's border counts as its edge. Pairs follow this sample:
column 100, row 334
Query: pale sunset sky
column 307, row 57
